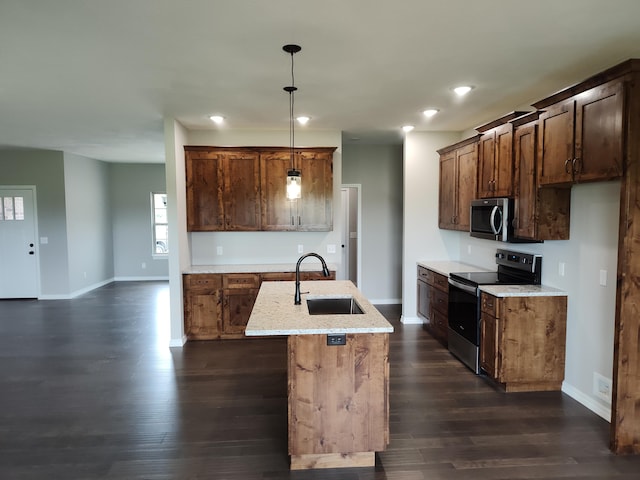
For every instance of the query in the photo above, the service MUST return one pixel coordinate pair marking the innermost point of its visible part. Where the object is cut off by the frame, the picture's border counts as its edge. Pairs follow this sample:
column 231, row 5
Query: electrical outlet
column 603, row 278
column 144, row 265
column 468, row 249
column 300, row 249
column 336, row 339
column 218, row 250
column 331, row 249
column 561, row 269
column 602, row 387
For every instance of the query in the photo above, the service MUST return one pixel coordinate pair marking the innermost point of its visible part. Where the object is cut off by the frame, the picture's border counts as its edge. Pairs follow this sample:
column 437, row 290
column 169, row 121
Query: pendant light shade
column 294, row 180
column 294, row 185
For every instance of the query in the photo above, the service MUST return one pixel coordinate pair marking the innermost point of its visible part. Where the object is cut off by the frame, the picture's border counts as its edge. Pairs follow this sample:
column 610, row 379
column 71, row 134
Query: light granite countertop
column 445, row 267
column 522, row 291
column 275, row 314
column 307, row 266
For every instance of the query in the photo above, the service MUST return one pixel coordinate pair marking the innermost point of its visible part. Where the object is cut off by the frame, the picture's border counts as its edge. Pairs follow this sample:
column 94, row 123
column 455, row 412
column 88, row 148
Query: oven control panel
column 529, row 262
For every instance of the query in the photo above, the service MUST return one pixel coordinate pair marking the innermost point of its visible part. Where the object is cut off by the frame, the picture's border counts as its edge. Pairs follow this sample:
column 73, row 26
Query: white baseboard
column 178, row 342
column 410, row 320
column 93, row 286
column 587, row 401
column 142, row 279
column 76, row 293
column 385, row 301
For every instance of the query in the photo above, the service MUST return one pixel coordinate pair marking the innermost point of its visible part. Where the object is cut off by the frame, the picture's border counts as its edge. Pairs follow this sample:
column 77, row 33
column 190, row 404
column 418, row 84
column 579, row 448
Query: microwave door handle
column 492, row 220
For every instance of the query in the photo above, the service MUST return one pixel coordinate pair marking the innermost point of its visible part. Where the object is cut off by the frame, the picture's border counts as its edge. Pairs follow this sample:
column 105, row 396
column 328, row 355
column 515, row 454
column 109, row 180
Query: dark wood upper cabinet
column 243, row 189
column 540, row 214
column 222, row 190
column 495, row 157
column 314, row 210
column 581, row 138
column 458, row 182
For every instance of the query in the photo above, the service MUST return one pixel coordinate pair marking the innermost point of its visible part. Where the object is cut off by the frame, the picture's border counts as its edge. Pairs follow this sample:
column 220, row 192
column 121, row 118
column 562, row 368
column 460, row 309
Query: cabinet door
column 238, row 304
column 503, row 176
column 204, row 185
column 447, row 194
column 599, row 131
column 556, row 138
column 241, row 177
column 277, row 211
column 525, row 182
column 486, row 165
column 424, row 302
column 439, row 325
column 315, row 205
column 203, row 306
column 467, row 159
column 489, row 342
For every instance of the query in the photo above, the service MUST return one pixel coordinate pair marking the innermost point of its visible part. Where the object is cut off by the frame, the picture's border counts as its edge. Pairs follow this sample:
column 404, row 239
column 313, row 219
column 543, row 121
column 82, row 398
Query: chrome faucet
column 325, row 272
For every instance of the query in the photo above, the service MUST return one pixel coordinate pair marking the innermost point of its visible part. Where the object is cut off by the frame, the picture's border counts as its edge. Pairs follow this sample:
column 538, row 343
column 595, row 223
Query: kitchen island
column 338, row 372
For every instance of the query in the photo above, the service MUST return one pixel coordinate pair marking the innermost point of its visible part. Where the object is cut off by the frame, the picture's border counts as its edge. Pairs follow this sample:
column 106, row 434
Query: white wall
column 378, row 169
column 595, row 211
column 175, row 137
column 45, row 170
column 131, row 187
column 88, row 213
column 422, row 238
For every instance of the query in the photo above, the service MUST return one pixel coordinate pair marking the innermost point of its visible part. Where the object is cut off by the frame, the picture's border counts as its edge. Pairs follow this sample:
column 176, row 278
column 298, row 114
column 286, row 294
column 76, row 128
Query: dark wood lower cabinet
column 522, row 341
column 218, row 306
column 433, row 303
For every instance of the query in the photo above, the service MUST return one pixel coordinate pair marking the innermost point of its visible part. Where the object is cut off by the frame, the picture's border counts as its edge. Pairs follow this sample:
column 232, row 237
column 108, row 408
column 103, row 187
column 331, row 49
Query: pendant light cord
column 291, row 49
column 292, row 134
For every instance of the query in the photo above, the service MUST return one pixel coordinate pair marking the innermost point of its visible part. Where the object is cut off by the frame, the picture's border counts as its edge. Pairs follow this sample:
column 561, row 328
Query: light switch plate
column 331, row 248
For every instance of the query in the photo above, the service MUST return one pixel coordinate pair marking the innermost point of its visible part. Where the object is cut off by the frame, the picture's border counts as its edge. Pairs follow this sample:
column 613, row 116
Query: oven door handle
column 463, row 286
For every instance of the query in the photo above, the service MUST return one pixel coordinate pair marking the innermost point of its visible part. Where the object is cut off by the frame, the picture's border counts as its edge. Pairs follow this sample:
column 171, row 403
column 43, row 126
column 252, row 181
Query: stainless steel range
column 514, row 268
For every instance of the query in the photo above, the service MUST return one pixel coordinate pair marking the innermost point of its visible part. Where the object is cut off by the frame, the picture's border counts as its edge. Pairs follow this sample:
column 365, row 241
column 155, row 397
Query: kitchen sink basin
column 345, row 305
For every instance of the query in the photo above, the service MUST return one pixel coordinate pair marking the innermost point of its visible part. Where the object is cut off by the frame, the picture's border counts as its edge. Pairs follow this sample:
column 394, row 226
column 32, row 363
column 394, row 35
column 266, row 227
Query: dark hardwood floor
column 90, row 390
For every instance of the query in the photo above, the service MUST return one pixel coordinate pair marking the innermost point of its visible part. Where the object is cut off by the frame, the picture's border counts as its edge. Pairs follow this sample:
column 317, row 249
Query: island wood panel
column 338, row 399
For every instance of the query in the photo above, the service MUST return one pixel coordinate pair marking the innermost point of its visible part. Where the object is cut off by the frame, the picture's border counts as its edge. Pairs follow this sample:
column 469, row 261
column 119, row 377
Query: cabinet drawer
column 307, row 276
column 425, row 275
column 202, row 281
column 278, row 276
column 440, row 301
column 441, row 282
column 489, row 304
column 241, row 280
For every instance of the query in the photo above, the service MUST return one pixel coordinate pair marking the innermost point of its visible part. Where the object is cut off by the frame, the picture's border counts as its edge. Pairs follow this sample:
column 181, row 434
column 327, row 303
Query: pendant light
column 294, row 181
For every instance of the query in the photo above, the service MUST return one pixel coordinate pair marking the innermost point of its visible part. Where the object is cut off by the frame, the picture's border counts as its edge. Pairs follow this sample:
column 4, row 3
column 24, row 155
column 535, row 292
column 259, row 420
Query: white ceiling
column 96, row 78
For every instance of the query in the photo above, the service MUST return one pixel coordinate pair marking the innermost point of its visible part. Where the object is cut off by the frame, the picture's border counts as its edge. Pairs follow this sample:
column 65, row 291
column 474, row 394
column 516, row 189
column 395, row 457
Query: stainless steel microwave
column 491, row 218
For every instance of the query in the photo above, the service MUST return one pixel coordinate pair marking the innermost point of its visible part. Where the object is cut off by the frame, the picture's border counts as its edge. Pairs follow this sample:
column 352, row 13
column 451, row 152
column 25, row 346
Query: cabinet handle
column 576, row 166
column 567, row 167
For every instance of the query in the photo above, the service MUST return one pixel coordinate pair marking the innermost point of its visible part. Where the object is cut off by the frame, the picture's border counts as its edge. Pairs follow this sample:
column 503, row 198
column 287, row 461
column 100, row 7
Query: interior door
column 18, row 254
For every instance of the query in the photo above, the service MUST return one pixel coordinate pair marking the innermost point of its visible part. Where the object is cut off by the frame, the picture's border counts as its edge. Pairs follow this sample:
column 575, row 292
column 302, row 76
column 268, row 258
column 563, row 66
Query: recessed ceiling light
column 218, row 119
column 430, row 112
column 302, row 120
column 462, row 90
column 408, row 128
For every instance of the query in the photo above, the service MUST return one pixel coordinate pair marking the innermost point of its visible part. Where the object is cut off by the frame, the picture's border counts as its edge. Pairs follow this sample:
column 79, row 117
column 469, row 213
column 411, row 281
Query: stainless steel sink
column 345, row 305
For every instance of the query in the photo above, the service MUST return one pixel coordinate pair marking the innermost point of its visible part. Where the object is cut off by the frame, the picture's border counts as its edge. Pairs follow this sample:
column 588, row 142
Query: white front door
column 18, row 254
